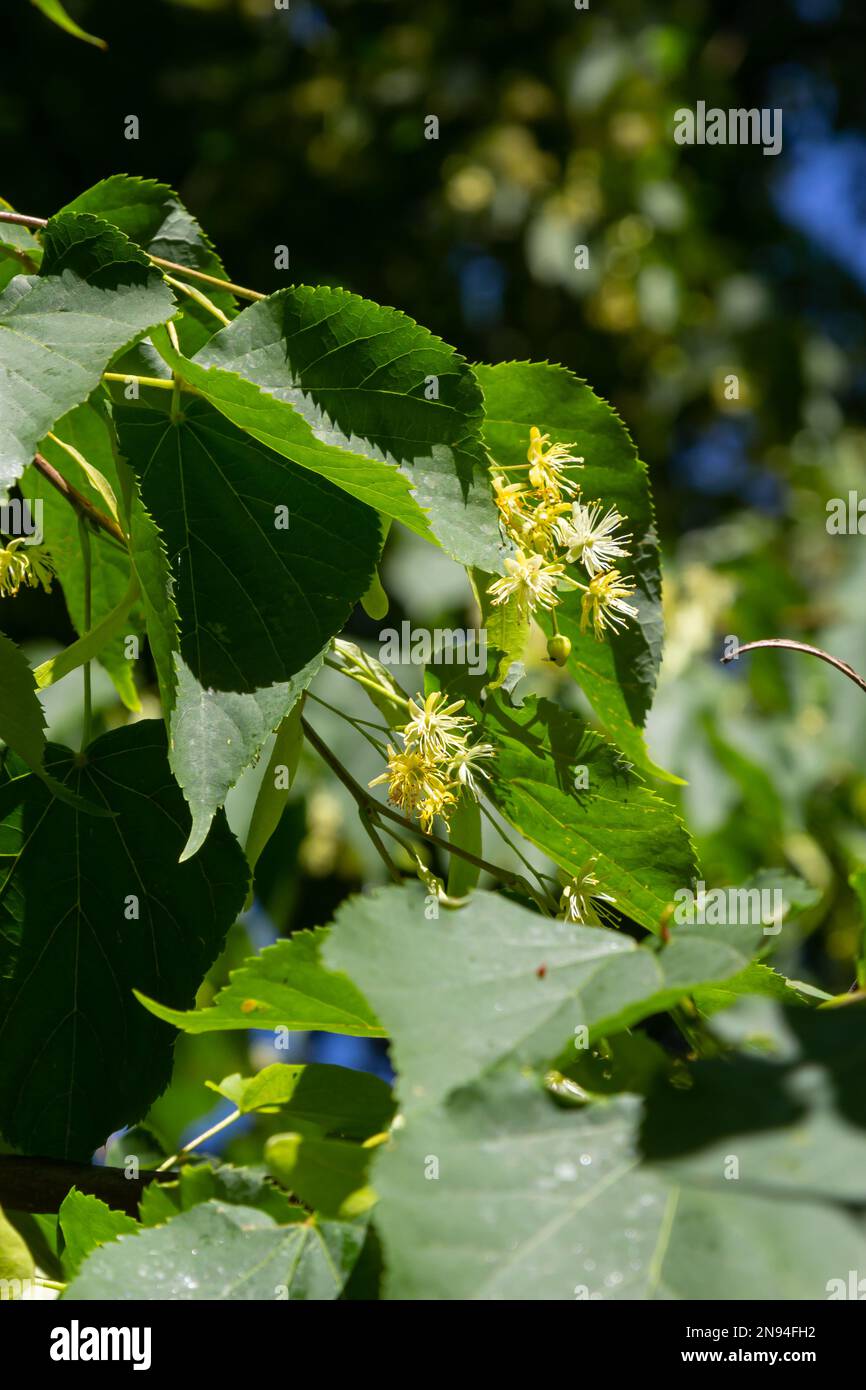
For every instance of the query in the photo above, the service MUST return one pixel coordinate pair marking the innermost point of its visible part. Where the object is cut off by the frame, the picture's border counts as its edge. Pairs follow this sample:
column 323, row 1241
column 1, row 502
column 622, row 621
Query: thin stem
column 97, row 519
column 84, row 535
column 793, row 646
column 376, row 1139
column 199, row 1139
column 366, row 818
column 238, row 290
column 162, row 383
column 176, row 412
column 27, row 263
column 370, row 684
column 48, row 1284
column 505, row 875
column 37, row 223
column 515, row 849
column 350, row 718
column 199, row 298
column 356, row 724
column 388, row 829
column 366, row 800
column 91, row 644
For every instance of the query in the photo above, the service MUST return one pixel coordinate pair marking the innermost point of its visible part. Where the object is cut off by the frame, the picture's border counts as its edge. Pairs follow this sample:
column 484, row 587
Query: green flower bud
column 558, row 649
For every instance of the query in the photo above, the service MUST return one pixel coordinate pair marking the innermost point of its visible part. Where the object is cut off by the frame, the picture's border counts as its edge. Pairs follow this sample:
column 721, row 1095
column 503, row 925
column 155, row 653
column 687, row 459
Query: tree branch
column 40, row 1184
column 100, row 521
column 19, row 220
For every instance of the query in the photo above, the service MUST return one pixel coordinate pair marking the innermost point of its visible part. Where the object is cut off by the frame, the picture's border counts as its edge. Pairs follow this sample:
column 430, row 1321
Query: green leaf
column 797, row 1124
column 494, row 979
column 464, row 831
column 150, row 562
column 22, row 722
column 17, row 1268
column 268, row 560
column 216, row 735
column 94, row 641
column 857, row 880
column 328, row 1174
column 365, row 1282
column 223, row 1252
column 257, row 602
column 95, row 295
column 628, row 1061
column 619, row 674
column 642, row 850
column 366, row 397
column 338, row 1102
column 57, row 14
column 507, row 631
column 375, row 602
column 203, row 1182
column 500, row 1193
column 382, row 690
column 275, row 787
column 87, row 431
column 86, row 1059
column 40, row 1232
column 87, row 1223
column 793, row 895
column 152, row 215
column 754, row 979
column 285, row 986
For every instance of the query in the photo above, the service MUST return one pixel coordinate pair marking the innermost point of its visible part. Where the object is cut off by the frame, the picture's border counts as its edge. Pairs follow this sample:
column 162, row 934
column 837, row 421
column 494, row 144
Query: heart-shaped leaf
column 115, row 912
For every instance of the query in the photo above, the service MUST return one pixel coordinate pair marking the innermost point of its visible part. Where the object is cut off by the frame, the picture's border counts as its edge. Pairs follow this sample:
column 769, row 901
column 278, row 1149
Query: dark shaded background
column 305, row 127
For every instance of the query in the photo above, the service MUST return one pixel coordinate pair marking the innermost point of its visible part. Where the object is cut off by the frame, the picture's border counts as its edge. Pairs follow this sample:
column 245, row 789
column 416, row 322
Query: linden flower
column 407, row 777
column 589, row 537
column 539, row 529
column 547, row 464
column 42, row 569
column 430, row 773
column 532, row 580
column 465, row 767
column 509, row 498
column 580, row 895
column 20, row 564
column 435, row 729
column 438, row 802
column 13, row 569
column 604, row 603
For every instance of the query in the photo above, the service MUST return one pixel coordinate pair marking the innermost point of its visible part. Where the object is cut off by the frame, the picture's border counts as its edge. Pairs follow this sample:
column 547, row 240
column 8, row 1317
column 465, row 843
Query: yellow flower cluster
column 551, row 527
column 436, row 763
column 24, row 564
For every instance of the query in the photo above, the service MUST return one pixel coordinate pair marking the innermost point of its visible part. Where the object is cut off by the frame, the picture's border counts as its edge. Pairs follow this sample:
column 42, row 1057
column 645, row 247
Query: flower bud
column 558, row 649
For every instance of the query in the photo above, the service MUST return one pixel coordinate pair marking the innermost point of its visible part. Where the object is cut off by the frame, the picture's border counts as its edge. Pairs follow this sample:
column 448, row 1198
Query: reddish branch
column 793, row 646
column 97, row 519
column 20, row 220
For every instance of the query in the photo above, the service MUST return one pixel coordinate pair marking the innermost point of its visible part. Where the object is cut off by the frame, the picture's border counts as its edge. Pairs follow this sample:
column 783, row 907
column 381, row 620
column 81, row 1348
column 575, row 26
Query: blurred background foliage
column 306, row 127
